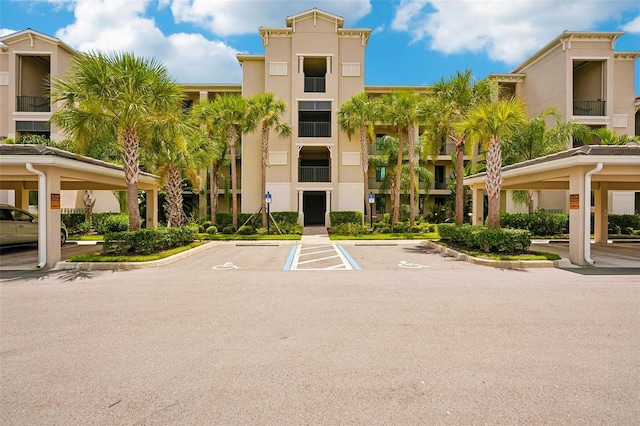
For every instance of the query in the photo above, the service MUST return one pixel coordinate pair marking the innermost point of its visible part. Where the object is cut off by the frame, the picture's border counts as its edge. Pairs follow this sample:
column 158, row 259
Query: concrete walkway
column 315, row 235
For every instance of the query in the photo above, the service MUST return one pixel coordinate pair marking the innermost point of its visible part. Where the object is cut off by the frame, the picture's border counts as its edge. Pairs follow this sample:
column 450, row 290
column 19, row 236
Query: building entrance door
column 314, row 206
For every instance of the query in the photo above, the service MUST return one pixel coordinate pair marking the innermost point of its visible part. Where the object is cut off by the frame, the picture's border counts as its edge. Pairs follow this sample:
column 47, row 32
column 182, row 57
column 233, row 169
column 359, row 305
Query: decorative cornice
column 507, row 77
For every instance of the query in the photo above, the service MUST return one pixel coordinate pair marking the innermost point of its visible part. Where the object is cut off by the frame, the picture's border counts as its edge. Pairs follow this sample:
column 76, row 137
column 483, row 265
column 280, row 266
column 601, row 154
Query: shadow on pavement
column 603, row 271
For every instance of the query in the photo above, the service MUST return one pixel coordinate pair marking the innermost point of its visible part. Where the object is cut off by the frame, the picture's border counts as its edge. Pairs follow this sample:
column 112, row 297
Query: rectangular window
column 351, row 69
column 381, row 173
column 278, row 68
column 379, row 141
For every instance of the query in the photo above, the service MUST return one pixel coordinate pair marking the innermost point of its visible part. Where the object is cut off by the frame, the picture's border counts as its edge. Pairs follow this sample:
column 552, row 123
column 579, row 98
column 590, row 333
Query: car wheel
column 63, row 237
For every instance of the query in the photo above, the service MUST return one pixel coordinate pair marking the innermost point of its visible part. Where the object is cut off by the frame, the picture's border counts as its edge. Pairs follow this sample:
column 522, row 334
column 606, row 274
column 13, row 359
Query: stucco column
column 329, row 71
column 477, row 202
column 151, row 220
column 21, row 196
column 203, row 95
column 578, row 202
column 51, row 214
column 601, row 214
column 300, row 64
column 327, row 218
column 300, row 210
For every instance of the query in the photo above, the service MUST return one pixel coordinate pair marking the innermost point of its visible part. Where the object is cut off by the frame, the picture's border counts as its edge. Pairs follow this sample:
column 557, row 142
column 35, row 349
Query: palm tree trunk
column 131, row 175
column 173, row 187
column 364, row 150
column 494, row 182
column 233, row 137
column 213, row 194
column 265, row 162
column 396, row 196
column 530, row 196
column 459, row 213
column 412, row 176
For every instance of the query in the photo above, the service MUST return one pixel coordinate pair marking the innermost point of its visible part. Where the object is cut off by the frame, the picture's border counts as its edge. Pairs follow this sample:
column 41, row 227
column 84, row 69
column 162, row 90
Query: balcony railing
column 308, row 129
column 225, row 182
column 590, row 108
column 314, row 174
column 315, row 84
column 33, row 104
column 442, row 184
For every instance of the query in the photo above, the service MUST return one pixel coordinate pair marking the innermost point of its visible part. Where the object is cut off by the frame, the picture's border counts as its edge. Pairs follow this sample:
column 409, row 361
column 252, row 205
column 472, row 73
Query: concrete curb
column 504, row 264
column 95, row 266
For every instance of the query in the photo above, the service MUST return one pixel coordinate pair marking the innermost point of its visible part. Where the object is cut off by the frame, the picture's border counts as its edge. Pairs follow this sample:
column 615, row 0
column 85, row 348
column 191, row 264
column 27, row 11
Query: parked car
column 19, row 227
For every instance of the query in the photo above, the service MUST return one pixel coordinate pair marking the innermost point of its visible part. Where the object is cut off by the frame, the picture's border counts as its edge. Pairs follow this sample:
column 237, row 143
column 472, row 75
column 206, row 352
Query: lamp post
column 267, row 199
column 372, row 199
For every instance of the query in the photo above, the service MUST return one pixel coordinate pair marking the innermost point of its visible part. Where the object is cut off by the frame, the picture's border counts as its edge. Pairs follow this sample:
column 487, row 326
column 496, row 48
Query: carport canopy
column 579, row 170
column 48, row 170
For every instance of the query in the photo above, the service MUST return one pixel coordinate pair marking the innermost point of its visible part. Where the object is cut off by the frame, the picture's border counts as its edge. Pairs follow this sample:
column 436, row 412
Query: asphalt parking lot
column 228, row 335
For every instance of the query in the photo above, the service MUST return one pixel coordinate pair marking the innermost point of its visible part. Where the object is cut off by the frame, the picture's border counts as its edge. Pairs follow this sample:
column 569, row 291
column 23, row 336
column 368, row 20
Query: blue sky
column 413, row 42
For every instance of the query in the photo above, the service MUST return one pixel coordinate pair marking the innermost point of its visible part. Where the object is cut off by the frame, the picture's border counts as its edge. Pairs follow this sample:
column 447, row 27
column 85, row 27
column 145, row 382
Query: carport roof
column 80, row 172
column 622, row 164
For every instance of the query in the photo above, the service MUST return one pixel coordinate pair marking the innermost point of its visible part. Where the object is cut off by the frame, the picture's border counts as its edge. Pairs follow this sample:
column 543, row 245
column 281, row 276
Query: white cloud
column 633, row 26
column 507, row 30
column 233, row 17
column 107, row 25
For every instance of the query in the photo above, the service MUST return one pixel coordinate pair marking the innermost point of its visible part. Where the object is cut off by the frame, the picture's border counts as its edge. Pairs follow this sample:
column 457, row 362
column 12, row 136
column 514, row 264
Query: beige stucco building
column 314, row 63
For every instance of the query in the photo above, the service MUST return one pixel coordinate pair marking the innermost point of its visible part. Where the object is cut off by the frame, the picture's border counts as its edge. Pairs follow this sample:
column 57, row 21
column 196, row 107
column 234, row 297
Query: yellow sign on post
column 574, row 201
column 55, row 201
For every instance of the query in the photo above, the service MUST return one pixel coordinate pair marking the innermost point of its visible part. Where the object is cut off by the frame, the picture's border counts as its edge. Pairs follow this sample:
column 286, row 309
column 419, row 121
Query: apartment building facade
column 315, row 64
column 581, row 75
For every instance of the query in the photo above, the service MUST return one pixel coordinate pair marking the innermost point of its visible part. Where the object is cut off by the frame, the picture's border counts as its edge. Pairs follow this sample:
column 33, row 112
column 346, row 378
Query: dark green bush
column 285, row 217
column 246, row 230
column 72, row 220
column 623, row 221
column 116, row 223
column 212, row 230
column 340, row 217
column 147, row 241
column 289, row 228
column 228, row 230
column 485, row 239
column 538, row 223
column 400, row 227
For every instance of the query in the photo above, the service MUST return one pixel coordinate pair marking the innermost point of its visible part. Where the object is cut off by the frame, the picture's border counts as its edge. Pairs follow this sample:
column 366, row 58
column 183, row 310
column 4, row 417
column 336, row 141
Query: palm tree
column 608, row 137
column 231, row 115
column 175, row 154
column 531, row 141
column 402, row 109
column 267, row 111
column 202, row 115
column 489, row 124
column 121, row 94
column 358, row 114
column 449, row 102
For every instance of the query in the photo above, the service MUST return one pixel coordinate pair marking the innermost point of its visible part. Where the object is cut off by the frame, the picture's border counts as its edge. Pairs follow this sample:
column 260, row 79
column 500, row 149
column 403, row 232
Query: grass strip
column 99, row 257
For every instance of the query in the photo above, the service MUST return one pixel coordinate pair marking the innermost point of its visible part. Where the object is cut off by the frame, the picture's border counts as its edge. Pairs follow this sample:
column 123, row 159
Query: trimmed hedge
column 148, row 241
column 101, row 222
column 340, row 217
column 485, row 239
column 349, row 229
column 537, row 223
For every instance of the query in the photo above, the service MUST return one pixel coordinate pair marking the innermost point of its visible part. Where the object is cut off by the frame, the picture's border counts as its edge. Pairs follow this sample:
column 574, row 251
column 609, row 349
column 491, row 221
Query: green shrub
column 72, row 220
column 485, row 239
column 400, row 227
column 82, row 228
column 340, row 217
column 349, row 229
column 289, row 228
column 285, row 217
column 206, row 224
column 623, row 221
column 246, row 230
column 116, row 223
column 538, row 223
column 211, row 229
column 147, row 241
column 228, row 230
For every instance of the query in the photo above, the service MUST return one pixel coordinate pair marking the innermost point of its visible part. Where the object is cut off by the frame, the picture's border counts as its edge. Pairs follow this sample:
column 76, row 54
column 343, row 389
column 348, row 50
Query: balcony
column 308, row 129
column 442, row 184
column 589, row 108
column 314, row 174
column 315, row 84
column 33, row 104
column 225, row 183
